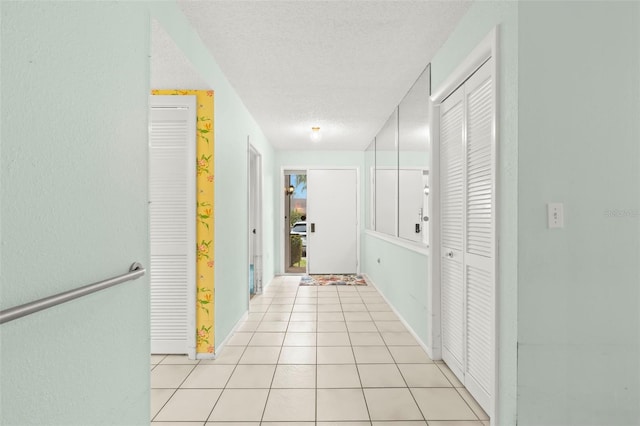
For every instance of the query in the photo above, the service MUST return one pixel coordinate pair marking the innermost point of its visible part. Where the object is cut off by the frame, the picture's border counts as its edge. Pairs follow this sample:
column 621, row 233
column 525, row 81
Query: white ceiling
column 340, row 65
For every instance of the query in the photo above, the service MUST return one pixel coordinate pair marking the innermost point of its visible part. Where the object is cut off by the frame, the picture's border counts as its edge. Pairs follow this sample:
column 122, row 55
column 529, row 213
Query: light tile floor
column 313, row 356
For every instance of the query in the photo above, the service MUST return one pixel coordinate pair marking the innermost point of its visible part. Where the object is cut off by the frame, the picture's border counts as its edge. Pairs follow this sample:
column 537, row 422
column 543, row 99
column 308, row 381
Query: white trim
column 400, row 242
column 411, row 331
column 478, row 56
column 496, row 143
column 186, row 102
column 483, row 52
column 258, row 271
column 433, row 276
column 204, row 355
column 219, row 347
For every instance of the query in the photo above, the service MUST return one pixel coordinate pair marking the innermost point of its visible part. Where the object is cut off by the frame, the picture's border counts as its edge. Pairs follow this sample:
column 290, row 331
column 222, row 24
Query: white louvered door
column 467, row 175
column 451, row 234
column 172, row 196
column 480, row 235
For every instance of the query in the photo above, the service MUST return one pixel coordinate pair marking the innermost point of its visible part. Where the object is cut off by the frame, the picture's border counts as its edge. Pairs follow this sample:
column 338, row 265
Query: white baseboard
column 422, row 344
column 205, row 355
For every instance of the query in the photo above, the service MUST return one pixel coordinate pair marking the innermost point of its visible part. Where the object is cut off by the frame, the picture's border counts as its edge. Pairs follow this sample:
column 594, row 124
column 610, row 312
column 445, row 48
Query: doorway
column 295, row 218
column 172, row 227
column 320, row 221
column 255, row 220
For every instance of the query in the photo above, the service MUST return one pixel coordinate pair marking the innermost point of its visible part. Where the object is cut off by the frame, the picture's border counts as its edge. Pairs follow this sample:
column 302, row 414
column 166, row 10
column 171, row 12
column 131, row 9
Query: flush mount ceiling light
column 315, row 134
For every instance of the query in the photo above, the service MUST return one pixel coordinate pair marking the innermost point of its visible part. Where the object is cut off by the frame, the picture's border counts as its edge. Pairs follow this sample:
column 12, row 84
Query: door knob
column 449, row 254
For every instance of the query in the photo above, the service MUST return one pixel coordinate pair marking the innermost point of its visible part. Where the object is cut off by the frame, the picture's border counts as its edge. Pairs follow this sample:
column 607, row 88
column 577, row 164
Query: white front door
column 332, row 221
column 172, row 195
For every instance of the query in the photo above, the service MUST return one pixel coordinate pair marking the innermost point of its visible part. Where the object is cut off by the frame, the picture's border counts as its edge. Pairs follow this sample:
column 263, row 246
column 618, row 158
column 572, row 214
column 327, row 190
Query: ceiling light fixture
column 315, row 134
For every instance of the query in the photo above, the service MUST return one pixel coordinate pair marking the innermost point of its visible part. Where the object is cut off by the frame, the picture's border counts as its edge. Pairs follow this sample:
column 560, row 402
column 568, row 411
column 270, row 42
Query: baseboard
column 231, row 333
column 205, row 355
column 422, row 344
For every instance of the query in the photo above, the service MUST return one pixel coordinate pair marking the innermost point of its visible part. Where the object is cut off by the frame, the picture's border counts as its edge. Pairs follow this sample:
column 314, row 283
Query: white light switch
column 555, row 213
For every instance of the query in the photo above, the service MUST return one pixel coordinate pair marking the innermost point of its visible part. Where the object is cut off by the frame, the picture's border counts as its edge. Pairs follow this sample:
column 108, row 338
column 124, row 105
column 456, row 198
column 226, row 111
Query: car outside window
column 301, row 227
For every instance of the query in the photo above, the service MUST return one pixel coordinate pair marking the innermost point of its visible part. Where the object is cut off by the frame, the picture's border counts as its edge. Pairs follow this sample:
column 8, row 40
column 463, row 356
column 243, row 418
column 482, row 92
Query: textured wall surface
column 401, row 275
column 74, row 211
column 578, row 328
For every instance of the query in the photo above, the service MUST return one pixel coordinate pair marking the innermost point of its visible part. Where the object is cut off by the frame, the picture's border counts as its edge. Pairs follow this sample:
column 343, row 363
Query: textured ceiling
column 340, row 65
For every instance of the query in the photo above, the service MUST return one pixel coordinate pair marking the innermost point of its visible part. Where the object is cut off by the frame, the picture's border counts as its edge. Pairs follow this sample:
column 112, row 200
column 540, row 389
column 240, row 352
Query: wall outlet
column 555, row 215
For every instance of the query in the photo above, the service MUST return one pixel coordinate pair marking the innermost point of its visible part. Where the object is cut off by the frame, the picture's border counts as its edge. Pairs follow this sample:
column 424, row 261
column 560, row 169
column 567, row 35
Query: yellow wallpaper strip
column 205, row 218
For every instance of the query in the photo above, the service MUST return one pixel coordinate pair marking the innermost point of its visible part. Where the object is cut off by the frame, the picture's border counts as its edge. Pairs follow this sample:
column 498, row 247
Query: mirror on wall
column 397, row 164
column 369, row 170
column 413, row 160
column 386, row 177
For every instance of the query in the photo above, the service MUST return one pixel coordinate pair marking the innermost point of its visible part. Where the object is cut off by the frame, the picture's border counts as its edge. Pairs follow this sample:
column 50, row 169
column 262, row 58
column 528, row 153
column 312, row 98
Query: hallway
column 327, row 355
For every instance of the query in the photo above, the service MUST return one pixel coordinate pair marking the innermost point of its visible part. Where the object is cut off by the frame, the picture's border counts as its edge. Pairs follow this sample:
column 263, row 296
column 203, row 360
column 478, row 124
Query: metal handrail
column 135, row 271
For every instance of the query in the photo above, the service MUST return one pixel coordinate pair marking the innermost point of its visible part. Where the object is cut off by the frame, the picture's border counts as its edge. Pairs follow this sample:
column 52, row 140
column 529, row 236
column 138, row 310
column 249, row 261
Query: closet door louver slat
column 172, row 223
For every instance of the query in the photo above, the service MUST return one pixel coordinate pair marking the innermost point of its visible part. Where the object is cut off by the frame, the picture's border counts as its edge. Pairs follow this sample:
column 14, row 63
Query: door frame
column 184, row 102
column 485, row 50
column 281, row 203
column 258, row 271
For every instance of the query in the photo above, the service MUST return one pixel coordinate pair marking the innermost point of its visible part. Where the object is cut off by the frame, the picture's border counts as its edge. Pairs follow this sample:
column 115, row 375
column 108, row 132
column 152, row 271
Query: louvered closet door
column 480, row 235
column 451, row 230
column 172, row 224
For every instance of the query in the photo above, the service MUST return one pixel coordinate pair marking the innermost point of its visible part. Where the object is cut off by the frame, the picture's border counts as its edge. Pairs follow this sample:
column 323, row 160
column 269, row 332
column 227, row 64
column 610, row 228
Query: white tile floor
column 313, row 356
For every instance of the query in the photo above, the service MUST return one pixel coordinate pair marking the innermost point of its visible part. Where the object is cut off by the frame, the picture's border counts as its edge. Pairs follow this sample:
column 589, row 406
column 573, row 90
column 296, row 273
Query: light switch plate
column 555, row 214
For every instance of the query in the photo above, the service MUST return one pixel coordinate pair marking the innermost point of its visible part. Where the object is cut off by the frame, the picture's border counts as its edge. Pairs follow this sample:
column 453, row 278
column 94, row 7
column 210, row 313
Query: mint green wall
column 402, row 277
column 75, row 83
column 579, row 133
column 233, row 124
column 304, row 159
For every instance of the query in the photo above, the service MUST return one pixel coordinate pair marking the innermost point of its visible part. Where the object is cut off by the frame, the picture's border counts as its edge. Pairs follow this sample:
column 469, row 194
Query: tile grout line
column 175, row 390
column 266, row 401
column 341, row 296
column 355, row 362
column 235, row 366
column 395, row 362
column 315, row 413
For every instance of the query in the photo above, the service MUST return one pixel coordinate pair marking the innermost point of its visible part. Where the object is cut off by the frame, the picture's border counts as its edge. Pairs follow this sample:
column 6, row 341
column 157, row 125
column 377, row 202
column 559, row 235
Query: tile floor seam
column 355, row 361
column 424, row 417
column 165, row 403
column 266, row 402
column 226, row 383
column 315, row 392
column 344, row 296
column 468, row 405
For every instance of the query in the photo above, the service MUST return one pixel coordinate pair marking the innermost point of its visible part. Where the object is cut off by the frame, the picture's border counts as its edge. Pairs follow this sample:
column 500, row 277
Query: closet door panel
column 479, row 255
column 172, row 223
column 452, row 231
